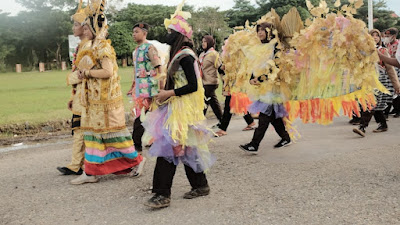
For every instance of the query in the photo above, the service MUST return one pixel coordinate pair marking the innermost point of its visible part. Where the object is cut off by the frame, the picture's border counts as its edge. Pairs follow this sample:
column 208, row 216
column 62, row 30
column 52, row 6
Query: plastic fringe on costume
column 333, row 68
column 179, row 130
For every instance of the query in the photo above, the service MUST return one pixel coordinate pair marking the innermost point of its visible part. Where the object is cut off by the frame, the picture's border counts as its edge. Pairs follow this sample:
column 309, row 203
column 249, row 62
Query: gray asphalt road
column 330, row 176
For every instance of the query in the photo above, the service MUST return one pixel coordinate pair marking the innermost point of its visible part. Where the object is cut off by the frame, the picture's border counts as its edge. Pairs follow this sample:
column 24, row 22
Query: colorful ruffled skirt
column 194, row 153
column 110, row 153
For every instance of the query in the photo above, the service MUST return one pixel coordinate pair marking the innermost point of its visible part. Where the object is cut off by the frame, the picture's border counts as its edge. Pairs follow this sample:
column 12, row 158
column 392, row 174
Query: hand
column 397, row 90
column 70, row 105
column 81, row 75
column 163, row 95
column 223, row 67
column 254, row 81
column 380, row 55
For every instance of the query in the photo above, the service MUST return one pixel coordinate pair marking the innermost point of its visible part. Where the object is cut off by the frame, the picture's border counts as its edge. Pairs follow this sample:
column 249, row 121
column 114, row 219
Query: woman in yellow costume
column 266, row 95
column 109, row 146
column 178, row 124
column 333, row 66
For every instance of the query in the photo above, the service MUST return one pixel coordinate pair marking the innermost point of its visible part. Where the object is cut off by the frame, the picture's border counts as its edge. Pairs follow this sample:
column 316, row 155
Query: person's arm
column 106, row 70
column 389, row 60
column 154, row 58
column 188, row 68
column 392, row 74
column 73, row 78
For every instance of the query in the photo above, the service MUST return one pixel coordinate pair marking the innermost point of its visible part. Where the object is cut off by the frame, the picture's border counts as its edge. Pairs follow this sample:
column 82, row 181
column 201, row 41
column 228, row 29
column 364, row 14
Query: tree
column 242, row 10
column 120, row 34
column 283, row 6
column 210, row 21
column 6, row 45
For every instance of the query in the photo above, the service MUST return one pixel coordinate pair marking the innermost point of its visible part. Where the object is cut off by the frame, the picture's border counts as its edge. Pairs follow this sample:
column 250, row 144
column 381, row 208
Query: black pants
column 226, row 117
column 366, row 116
column 211, row 99
column 263, row 122
column 164, row 174
column 396, row 104
column 137, row 134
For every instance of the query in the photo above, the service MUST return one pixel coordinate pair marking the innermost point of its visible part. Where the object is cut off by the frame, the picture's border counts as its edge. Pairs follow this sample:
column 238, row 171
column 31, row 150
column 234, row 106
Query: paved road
column 330, row 176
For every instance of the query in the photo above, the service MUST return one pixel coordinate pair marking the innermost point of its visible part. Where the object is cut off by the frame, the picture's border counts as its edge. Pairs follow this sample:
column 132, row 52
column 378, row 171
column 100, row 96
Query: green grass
column 39, row 97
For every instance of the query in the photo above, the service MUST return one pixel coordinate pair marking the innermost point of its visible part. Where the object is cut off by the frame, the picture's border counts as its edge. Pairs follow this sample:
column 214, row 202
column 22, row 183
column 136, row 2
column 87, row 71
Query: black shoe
column 283, row 143
column 355, row 121
column 381, row 128
column 66, row 171
column 216, row 126
column 397, row 115
column 197, row 192
column 249, row 148
column 158, row 201
column 360, row 131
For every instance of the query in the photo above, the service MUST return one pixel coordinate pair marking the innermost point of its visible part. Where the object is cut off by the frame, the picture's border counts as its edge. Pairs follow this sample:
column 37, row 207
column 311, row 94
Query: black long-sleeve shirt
column 187, row 66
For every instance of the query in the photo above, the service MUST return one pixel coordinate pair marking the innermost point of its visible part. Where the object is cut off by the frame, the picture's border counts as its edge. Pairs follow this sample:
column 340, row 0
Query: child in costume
column 178, row 124
column 209, row 64
column 108, row 143
column 75, row 167
column 145, row 86
column 270, row 112
column 387, row 75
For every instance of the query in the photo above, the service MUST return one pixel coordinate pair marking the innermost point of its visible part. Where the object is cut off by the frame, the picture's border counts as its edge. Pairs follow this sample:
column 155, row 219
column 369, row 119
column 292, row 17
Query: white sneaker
column 84, row 179
column 138, row 170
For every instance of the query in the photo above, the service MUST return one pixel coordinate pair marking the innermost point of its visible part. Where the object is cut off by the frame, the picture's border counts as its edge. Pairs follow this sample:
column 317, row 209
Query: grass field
column 39, row 97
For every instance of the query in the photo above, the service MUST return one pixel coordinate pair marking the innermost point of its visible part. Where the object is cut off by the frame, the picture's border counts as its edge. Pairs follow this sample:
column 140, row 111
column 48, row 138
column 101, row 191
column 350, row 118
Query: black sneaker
column 397, row 115
column 216, row 126
column 66, row 171
column 197, row 192
column 355, row 121
column 381, row 128
column 283, row 143
column 158, row 201
column 360, row 131
column 249, row 148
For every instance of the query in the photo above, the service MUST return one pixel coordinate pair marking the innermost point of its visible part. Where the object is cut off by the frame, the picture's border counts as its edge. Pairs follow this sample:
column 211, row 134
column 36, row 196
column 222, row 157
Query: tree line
column 41, row 34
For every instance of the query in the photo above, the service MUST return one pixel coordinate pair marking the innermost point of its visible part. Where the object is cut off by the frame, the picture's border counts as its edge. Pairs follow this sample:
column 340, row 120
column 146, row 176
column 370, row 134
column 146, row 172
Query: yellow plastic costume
column 333, row 67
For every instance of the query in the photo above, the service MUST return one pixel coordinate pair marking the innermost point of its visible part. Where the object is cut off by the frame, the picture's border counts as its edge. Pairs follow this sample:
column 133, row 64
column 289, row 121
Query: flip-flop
column 248, row 128
column 220, row 134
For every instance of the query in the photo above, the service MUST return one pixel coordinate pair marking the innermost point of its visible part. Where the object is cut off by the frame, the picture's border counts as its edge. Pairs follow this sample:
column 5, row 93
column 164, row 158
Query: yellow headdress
column 81, row 14
column 97, row 20
column 178, row 21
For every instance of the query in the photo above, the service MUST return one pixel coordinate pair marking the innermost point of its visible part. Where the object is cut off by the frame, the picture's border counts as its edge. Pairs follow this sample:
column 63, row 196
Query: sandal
column 220, row 133
column 249, row 127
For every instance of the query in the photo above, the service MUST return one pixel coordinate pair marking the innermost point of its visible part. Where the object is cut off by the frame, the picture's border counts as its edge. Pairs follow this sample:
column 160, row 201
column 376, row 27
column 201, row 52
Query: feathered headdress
column 96, row 20
column 81, row 14
column 178, row 21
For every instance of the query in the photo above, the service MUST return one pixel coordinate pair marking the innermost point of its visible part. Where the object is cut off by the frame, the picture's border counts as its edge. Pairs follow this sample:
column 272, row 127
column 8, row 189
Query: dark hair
column 143, row 26
column 180, row 42
column 264, row 26
column 210, row 42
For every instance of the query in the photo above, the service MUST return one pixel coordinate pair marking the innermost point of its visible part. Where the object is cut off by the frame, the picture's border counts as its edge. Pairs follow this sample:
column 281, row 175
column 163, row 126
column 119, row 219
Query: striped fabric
column 383, row 99
column 110, row 153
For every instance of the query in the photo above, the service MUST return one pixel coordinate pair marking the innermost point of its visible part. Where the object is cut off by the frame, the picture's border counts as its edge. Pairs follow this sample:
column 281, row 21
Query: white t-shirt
column 398, row 53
